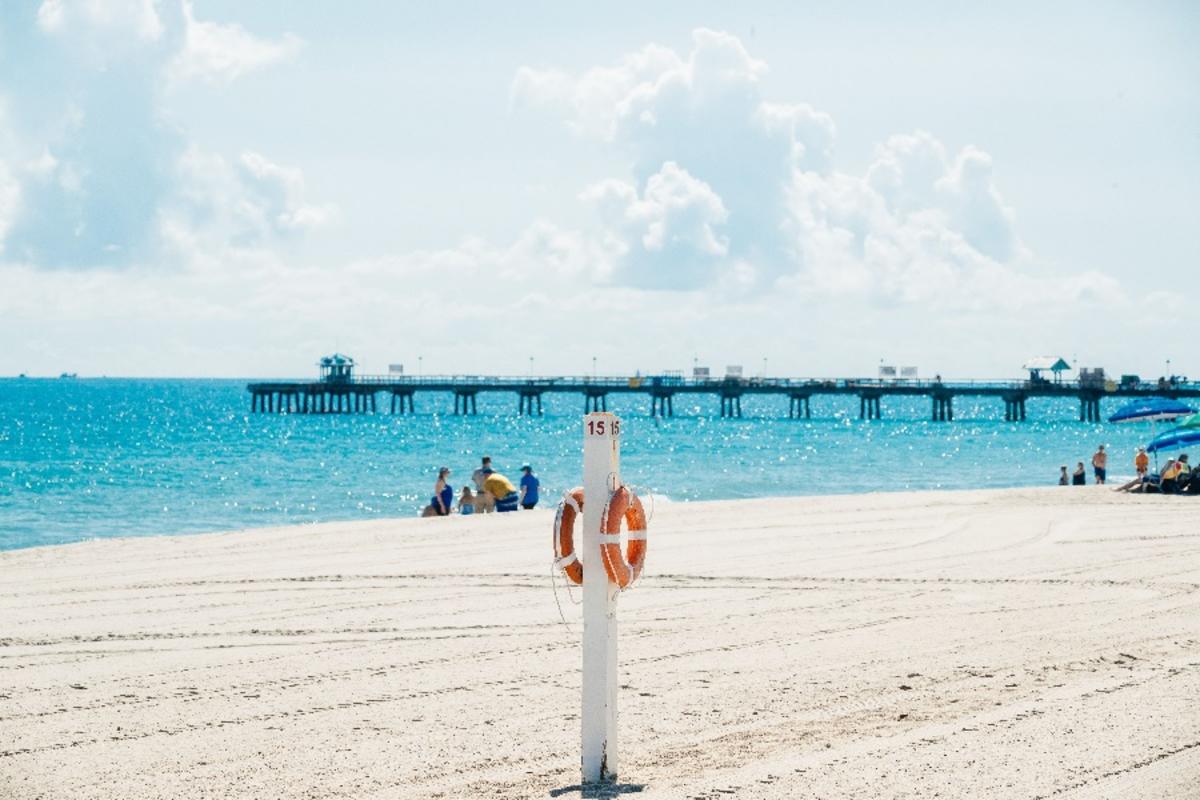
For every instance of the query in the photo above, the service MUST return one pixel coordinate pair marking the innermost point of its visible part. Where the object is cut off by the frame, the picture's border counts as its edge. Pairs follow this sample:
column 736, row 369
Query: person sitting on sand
column 1063, row 479
column 1175, row 476
column 1192, row 485
column 466, row 501
column 501, row 488
column 1079, row 477
column 1100, row 465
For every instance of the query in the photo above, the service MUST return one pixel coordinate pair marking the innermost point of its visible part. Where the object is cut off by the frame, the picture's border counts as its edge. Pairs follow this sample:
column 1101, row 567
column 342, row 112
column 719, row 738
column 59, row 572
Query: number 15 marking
column 600, row 427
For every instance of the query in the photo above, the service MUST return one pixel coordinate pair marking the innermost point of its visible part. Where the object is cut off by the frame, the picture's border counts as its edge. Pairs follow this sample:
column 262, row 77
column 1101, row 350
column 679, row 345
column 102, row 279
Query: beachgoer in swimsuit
column 1100, row 464
column 443, row 494
column 466, row 501
column 1079, row 478
column 1063, row 478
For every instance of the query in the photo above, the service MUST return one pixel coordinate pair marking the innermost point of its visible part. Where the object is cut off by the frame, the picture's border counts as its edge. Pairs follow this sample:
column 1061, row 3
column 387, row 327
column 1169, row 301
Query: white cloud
column 744, row 191
column 223, row 52
column 591, row 102
column 280, row 191
column 219, row 204
column 10, row 198
column 669, row 233
column 118, row 16
column 704, row 113
column 912, row 173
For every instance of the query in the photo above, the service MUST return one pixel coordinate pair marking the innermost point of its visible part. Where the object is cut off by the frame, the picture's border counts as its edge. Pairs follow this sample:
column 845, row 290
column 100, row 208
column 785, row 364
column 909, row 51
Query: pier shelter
column 1040, row 364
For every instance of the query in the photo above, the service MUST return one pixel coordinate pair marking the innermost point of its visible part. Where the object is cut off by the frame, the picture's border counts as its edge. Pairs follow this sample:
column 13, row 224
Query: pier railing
column 573, row 382
column 359, row 393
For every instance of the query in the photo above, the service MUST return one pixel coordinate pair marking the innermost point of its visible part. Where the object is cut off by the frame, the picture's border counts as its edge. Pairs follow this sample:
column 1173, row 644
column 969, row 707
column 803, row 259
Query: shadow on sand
column 598, row 791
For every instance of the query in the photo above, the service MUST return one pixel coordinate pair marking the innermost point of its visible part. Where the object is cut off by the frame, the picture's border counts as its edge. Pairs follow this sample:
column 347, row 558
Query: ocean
column 98, row 458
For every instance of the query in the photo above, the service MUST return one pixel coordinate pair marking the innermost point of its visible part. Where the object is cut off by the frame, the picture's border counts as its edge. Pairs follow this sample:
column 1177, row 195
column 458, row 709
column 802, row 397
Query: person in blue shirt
column 529, row 488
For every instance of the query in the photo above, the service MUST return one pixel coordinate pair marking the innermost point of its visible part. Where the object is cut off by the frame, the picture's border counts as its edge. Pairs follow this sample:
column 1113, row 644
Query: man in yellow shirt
column 1175, row 475
column 502, row 489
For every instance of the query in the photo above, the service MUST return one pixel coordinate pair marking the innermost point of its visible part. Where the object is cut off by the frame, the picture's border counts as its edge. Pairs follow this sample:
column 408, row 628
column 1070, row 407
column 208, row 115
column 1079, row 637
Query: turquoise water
column 100, row 458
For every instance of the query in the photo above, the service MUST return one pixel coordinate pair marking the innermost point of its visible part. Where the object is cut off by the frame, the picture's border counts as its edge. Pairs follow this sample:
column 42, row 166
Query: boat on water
column 68, row 375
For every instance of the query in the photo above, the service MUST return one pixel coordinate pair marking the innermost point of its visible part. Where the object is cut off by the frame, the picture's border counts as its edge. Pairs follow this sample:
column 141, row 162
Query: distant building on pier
column 337, row 368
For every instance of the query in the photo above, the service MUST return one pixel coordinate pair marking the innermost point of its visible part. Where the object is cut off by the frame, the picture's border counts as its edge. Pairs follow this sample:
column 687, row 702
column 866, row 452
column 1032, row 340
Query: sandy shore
column 1012, row 644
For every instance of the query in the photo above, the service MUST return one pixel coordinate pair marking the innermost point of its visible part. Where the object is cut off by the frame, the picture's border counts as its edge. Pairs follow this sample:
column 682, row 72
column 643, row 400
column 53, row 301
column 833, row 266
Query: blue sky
column 220, row 188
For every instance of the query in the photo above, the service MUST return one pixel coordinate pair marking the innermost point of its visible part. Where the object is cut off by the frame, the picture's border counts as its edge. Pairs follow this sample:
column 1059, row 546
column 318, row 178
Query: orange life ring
column 564, row 535
column 623, row 504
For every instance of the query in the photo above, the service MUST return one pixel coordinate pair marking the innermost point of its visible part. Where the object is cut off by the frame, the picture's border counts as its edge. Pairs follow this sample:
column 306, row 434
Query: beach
column 1015, row 643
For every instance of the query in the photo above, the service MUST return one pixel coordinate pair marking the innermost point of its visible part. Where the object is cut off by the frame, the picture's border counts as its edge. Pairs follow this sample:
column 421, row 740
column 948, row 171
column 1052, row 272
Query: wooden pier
column 351, row 394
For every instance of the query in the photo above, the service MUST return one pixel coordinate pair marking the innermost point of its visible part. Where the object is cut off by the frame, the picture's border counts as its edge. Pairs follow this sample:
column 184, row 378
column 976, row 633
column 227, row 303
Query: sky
column 218, row 188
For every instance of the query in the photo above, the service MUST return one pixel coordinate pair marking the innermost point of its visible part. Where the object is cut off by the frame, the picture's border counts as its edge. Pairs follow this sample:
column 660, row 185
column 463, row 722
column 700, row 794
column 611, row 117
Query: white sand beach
column 988, row 644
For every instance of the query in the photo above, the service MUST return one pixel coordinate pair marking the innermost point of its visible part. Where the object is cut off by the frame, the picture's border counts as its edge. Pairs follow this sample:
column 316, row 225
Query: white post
column 601, row 475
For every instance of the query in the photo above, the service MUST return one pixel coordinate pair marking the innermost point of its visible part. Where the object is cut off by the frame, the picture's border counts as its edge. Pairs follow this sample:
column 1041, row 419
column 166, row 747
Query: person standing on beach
column 443, row 494
column 501, row 488
column 1141, row 462
column 1063, row 479
column 484, row 502
column 529, row 488
column 1100, row 465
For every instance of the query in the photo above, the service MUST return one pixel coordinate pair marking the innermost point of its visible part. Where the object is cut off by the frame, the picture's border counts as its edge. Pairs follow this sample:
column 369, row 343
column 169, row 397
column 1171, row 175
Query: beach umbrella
column 1190, row 422
column 1151, row 409
column 1175, row 438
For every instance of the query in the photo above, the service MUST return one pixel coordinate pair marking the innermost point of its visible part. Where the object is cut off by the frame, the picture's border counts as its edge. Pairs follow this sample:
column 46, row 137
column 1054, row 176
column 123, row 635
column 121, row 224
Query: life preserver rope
column 623, row 568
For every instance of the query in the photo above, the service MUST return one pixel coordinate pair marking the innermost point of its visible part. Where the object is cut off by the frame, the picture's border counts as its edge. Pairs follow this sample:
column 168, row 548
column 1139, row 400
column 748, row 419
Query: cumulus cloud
column 222, row 52
column 670, row 231
column 743, row 190
column 96, row 162
column 913, row 175
column 220, row 203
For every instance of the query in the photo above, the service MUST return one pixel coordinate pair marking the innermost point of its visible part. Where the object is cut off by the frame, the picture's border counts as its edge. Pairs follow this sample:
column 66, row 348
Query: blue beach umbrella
column 1151, row 409
column 1176, row 438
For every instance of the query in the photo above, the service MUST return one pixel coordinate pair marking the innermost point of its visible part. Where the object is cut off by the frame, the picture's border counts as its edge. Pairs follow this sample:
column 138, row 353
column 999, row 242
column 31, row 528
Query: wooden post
column 601, row 475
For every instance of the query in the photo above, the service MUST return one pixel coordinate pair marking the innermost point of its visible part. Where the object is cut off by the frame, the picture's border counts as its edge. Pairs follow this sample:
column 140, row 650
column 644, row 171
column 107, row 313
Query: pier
column 346, row 393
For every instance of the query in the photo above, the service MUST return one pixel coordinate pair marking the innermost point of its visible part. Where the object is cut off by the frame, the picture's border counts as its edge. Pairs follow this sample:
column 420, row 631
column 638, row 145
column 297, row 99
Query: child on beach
column 466, row 501
column 1063, row 480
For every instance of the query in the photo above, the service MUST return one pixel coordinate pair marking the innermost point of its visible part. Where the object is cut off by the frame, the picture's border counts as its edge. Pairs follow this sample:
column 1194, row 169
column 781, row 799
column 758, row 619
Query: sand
column 991, row 644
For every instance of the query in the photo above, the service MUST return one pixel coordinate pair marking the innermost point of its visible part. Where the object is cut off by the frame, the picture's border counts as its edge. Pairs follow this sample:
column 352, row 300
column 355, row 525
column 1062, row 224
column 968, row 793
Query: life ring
column 622, row 568
column 564, row 535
